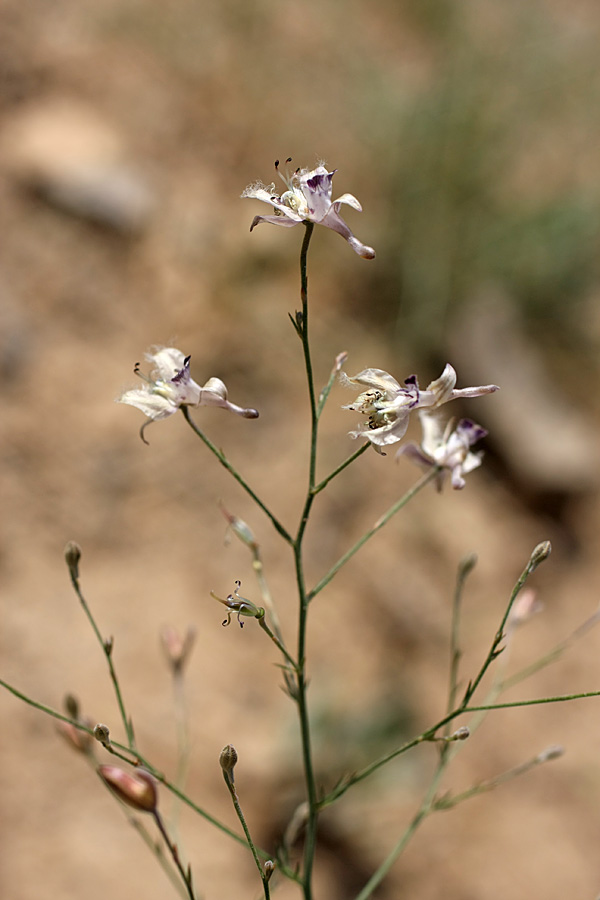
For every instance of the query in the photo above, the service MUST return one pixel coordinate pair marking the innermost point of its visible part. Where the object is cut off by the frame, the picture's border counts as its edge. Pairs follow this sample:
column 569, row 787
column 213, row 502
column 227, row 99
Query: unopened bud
column 240, row 529
column 102, row 734
column 137, row 789
column 525, row 606
column 228, row 759
column 71, row 705
column 269, row 868
column 72, row 557
column 340, row 360
column 551, row 753
column 296, row 824
column 541, row 552
column 177, row 648
column 108, row 645
column 81, row 741
column 466, row 565
column 462, row 733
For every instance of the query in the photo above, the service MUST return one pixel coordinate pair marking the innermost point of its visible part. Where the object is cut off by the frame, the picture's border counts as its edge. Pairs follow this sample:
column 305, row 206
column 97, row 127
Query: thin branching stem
column 233, row 471
column 228, row 776
column 119, row 750
column 107, row 651
column 277, row 641
column 424, row 810
column 186, row 874
column 495, row 649
column 310, row 839
column 323, row 484
column 395, row 508
column 183, row 743
column 465, row 568
column 157, row 851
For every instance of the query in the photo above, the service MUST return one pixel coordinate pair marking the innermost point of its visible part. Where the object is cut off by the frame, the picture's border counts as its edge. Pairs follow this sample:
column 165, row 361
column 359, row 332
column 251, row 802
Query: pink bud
column 136, row 789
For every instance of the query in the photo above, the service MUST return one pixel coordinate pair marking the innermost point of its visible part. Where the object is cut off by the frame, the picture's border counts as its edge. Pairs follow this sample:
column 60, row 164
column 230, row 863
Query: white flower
column 307, row 199
column 387, row 405
column 171, row 386
column 446, row 446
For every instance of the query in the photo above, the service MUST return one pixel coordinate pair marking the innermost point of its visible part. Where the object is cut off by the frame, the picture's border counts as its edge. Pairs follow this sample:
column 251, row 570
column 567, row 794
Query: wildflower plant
column 385, row 407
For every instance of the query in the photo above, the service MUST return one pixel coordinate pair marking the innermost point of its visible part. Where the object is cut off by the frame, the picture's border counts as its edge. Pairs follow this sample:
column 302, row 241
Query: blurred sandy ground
column 128, row 132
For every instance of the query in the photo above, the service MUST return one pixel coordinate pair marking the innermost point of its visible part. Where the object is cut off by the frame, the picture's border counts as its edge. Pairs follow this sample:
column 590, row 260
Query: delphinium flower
column 447, row 446
column 307, row 199
column 171, row 386
column 387, row 405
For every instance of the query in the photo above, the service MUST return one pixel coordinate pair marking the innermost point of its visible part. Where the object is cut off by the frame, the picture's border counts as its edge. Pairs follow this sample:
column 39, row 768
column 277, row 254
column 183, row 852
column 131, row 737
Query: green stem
column 429, row 735
column 278, row 643
column 309, row 226
column 238, row 809
column 310, row 839
column 186, row 876
column 449, row 802
column 552, row 655
column 424, row 810
column 322, row 484
column 464, row 569
column 495, row 649
column 107, row 651
column 227, row 465
column 429, row 476
column 158, row 853
column 183, row 744
column 324, row 395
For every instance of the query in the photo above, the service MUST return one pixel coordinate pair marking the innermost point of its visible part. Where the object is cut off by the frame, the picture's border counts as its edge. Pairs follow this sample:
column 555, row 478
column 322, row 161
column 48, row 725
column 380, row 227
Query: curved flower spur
column 387, row 405
column 171, row 386
column 307, row 199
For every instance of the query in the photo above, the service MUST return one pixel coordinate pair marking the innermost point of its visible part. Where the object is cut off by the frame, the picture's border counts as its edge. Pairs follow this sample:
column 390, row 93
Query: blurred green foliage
column 485, row 169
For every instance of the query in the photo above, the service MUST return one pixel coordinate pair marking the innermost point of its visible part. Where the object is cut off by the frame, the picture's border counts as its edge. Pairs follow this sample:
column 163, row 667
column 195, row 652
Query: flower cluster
column 171, row 386
column 387, row 406
column 307, row 199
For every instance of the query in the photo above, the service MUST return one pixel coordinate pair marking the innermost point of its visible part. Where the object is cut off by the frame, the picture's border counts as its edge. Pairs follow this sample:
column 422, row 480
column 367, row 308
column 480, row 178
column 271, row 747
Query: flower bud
column 550, row 753
column 72, row 557
column 228, row 759
column 340, row 360
column 137, row 789
column 462, row 733
column 540, row 553
column 71, row 705
column 525, row 607
column 269, row 868
column 177, row 648
column 102, row 734
column 81, row 741
column 240, row 529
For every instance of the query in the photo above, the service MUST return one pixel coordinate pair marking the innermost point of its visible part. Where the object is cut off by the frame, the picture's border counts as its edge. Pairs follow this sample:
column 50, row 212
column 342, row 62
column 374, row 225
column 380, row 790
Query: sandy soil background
column 128, row 132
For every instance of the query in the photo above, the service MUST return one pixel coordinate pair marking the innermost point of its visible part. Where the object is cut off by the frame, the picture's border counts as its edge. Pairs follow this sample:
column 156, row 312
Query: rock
column 70, row 155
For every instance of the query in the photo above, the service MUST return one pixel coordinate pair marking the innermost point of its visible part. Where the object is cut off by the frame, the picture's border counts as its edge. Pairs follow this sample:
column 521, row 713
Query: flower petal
column 168, row 361
column 443, row 386
column 152, row 405
column 386, row 434
column 316, row 187
column 371, row 378
column 350, row 199
column 288, row 219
